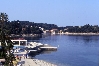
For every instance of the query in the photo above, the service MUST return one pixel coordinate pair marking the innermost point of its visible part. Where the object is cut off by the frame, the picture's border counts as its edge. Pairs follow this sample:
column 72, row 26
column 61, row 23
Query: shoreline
column 36, row 62
column 79, row 33
column 30, row 61
column 43, row 62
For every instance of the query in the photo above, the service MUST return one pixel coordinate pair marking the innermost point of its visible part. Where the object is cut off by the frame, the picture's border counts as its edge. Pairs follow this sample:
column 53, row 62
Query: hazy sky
column 59, row 12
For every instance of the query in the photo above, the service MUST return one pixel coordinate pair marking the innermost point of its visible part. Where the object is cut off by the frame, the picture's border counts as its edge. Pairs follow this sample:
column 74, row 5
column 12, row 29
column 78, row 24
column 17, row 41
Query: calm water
column 72, row 50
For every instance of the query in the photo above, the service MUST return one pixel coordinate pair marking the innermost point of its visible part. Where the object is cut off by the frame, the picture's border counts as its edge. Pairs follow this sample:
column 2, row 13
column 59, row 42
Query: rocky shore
column 35, row 62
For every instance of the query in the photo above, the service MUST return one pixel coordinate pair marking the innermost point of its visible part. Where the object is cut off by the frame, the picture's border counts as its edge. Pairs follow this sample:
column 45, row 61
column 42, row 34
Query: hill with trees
column 26, row 27
column 83, row 29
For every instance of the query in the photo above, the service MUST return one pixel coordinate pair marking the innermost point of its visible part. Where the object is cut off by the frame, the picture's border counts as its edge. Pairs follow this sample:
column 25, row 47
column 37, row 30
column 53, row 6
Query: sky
column 59, row 12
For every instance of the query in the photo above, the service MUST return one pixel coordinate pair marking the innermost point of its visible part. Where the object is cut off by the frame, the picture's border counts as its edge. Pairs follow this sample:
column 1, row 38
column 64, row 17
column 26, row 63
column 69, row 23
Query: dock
column 34, row 49
column 48, row 48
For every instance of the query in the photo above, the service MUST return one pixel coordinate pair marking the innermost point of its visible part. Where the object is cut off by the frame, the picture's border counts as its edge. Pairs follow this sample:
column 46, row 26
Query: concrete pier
column 48, row 48
column 29, row 62
column 36, row 62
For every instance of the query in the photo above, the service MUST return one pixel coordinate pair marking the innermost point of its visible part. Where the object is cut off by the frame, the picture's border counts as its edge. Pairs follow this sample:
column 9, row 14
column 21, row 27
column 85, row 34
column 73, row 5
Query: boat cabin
column 19, row 42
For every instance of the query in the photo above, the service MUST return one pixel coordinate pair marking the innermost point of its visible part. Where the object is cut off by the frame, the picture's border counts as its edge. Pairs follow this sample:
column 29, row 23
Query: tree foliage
column 22, row 27
column 6, row 44
column 84, row 29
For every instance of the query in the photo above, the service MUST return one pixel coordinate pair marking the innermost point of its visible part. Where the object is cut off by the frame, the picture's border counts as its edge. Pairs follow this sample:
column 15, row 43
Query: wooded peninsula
column 26, row 27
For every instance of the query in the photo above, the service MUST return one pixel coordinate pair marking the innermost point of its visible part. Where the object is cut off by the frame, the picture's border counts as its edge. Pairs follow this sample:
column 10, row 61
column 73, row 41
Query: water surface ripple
column 72, row 50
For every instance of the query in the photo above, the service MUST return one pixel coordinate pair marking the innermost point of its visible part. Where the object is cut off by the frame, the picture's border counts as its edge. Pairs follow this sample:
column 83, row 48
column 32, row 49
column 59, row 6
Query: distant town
column 25, row 28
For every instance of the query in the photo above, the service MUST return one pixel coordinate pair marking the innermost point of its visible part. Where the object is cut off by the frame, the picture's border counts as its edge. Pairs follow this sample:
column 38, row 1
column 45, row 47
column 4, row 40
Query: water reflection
column 33, row 54
column 84, row 40
column 47, row 52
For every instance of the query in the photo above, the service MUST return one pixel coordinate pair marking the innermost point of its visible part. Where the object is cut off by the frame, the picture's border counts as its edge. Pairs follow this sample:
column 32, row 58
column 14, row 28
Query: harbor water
column 72, row 50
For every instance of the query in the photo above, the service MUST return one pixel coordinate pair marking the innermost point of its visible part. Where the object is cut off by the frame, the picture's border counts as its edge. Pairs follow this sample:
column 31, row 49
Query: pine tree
column 6, row 44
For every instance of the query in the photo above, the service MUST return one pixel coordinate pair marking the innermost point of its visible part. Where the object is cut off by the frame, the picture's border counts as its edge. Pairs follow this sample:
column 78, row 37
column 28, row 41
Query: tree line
column 26, row 27
column 83, row 29
column 21, row 27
